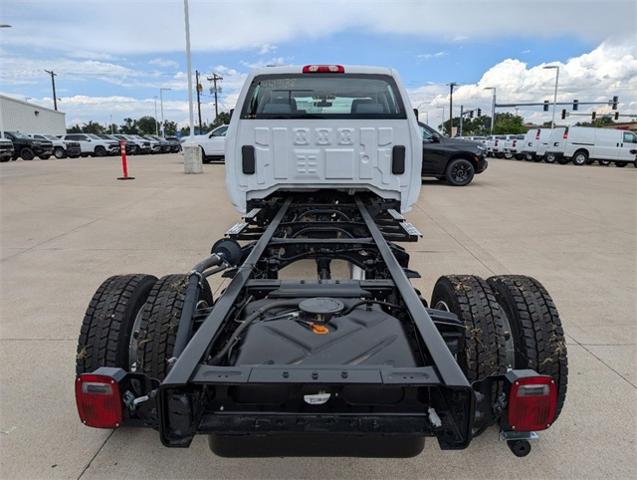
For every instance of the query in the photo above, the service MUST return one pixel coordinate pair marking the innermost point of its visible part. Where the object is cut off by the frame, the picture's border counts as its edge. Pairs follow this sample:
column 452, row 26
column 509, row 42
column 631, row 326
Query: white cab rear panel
column 307, row 154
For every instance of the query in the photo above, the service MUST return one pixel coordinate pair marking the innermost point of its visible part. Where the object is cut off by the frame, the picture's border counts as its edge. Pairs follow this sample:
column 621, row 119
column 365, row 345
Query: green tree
column 506, row 123
column 129, row 126
column 222, row 119
column 112, row 128
column 170, row 128
column 92, row 127
column 74, row 129
column 147, row 125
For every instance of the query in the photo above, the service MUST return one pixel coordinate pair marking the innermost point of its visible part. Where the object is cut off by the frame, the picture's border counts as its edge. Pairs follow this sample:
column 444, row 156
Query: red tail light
column 537, row 135
column 323, row 69
column 565, row 136
column 496, row 143
column 532, row 403
column 98, row 401
column 514, row 143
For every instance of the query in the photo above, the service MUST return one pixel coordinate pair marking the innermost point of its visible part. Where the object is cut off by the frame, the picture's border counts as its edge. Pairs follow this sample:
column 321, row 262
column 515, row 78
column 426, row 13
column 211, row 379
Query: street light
column 161, row 103
column 492, row 108
column 557, row 77
column 189, row 65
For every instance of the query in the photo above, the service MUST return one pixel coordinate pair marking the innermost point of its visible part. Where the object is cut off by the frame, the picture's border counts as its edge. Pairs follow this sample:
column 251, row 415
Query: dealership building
column 20, row 116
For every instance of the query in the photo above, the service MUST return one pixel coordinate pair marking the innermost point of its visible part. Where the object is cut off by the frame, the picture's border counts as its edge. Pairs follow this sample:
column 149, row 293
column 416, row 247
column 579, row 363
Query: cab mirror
column 416, row 113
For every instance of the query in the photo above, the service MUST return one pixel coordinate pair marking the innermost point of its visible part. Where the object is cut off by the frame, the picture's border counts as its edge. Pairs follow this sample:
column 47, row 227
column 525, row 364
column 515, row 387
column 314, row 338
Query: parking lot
column 66, row 225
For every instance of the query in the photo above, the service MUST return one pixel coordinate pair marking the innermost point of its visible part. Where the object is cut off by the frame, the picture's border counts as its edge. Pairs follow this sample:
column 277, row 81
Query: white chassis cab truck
column 323, row 158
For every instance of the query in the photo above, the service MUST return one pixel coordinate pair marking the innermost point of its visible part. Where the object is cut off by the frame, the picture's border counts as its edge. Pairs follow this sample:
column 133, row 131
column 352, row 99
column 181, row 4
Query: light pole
column 156, row 122
column 492, row 108
column 557, row 77
column 161, row 106
column 4, row 25
column 442, row 126
column 451, row 85
column 189, row 64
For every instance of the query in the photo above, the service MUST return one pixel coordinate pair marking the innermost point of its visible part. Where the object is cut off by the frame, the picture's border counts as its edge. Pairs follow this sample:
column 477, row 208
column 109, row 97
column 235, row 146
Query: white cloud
column 265, row 63
column 267, row 48
column 99, row 26
column 428, row 56
column 163, row 62
column 610, row 69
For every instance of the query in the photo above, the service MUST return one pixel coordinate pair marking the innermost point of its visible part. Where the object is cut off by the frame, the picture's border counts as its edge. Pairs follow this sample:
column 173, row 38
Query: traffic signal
column 615, row 101
column 470, row 113
column 546, row 105
column 575, row 105
column 616, row 115
column 479, row 112
column 563, row 113
column 593, row 115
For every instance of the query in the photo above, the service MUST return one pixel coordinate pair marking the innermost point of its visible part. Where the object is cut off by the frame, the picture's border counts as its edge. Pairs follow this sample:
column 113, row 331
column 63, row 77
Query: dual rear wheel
column 132, row 321
column 511, row 322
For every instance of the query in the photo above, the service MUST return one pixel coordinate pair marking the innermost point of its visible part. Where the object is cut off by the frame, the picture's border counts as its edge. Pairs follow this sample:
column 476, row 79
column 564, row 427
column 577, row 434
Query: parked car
column 212, row 144
column 498, row 146
column 28, row 148
column 61, row 148
column 584, row 145
column 553, row 149
column 113, row 138
column 164, row 145
column 450, row 159
column 92, row 144
column 155, row 145
column 175, row 144
column 6, row 150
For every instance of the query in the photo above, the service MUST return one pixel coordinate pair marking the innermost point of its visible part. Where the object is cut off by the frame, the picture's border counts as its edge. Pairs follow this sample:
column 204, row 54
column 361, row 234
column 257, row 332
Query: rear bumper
column 6, row 153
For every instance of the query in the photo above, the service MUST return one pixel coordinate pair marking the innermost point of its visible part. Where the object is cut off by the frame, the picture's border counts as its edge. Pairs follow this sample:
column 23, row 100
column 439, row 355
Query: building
column 25, row 117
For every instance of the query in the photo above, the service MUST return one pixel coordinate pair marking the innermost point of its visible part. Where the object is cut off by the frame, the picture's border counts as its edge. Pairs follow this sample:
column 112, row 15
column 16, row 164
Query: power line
column 214, row 78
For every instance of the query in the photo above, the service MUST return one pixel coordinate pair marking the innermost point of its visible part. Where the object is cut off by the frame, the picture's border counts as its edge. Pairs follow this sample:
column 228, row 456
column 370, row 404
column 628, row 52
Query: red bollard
column 122, row 150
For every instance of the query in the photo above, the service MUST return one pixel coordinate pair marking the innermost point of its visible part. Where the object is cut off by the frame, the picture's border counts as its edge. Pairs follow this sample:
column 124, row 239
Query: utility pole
column 198, row 100
column 451, row 85
column 161, row 106
column 214, row 78
column 53, row 75
column 461, row 116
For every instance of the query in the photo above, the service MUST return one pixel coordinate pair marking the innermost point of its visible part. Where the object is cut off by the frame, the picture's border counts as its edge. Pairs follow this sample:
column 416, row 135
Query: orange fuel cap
column 319, row 329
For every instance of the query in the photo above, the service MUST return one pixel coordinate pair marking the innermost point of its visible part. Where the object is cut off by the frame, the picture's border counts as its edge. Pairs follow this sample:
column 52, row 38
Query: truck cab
column 303, row 128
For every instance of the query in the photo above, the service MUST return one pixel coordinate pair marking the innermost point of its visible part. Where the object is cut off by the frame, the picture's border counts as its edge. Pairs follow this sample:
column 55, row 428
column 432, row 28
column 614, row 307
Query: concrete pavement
column 66, row 225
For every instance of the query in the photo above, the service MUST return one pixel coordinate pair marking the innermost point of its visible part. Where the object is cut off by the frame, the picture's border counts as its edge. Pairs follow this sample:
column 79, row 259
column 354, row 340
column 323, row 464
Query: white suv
column 91, row 144
column 212, row 144
column 349, row 128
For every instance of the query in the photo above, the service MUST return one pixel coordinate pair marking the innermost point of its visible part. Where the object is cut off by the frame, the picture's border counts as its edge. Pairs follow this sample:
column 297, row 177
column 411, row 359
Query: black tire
column 159, row 321
column 549, row 158
column 537, row 331
column 27, row 154
column 580, row 158
column 604, row 163
column 108, row 322
column 459, row 172
column 563, row 160
column 99, row 151
column 44, row 157
column 620, row 164
column 4, row 159
column 58, row 152
column 471, row 298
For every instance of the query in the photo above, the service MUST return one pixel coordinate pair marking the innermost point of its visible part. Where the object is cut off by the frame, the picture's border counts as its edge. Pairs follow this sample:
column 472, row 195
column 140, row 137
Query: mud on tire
column 536, row 328
column 108, row 321
column 159, row 322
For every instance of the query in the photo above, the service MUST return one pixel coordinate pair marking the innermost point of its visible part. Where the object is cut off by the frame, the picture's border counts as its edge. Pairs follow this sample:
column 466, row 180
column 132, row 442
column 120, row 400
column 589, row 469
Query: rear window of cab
column 323, row 96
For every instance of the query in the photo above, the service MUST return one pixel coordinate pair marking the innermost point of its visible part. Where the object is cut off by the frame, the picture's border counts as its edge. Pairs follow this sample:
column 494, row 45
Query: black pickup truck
column 450, row 159
column 6, row 150
column 28, row 148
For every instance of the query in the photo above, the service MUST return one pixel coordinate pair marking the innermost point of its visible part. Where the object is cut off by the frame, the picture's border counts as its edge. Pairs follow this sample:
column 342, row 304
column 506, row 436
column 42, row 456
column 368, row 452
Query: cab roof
column 287, row 69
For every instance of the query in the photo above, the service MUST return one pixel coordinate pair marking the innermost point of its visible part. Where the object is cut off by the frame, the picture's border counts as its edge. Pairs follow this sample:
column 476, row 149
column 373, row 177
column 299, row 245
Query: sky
column 112, row 57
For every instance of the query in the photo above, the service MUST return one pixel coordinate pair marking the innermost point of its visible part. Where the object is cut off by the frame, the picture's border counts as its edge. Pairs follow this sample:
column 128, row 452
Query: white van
column 513, row 146
column 552, row 150
column 349, row 128
column 585, row 145
column 534, row 144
